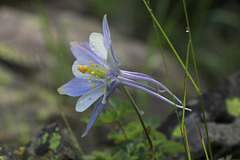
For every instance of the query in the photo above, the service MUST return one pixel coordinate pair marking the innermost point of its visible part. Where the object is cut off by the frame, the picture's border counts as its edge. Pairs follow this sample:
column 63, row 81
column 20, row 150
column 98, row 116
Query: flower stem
column 141, row 120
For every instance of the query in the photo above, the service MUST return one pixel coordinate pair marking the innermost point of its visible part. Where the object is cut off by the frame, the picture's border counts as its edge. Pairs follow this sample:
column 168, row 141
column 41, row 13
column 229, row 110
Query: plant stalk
column 141, row 120
column 198, row 82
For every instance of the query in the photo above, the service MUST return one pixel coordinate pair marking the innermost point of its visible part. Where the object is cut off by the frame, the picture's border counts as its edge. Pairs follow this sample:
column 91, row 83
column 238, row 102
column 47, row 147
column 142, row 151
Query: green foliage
column 176, row 132
column 228, row 157
column 136, row 145
column 130, row 141
column 133, row 129
column 172, row 147
column 233, row 106
column 55, row 141
column 110, row 115
column 97, row 155
column 2, row 157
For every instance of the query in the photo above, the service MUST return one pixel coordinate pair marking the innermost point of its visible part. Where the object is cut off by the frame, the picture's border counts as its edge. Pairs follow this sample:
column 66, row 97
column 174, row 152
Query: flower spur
column 97, row 74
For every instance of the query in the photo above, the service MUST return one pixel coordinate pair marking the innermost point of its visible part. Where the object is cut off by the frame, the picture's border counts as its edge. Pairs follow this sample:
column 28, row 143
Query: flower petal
column 76, row 87
column 87, row 100
column 111, row 60
column 97, row 45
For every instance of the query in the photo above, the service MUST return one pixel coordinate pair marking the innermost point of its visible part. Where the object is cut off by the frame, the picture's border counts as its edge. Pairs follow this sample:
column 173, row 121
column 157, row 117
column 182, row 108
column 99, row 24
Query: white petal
column 87, row 100
column 77, row 73
column 96, row 43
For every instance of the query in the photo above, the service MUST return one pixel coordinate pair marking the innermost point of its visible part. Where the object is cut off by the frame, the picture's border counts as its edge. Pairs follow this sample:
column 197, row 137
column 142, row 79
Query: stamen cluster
column 95, row 72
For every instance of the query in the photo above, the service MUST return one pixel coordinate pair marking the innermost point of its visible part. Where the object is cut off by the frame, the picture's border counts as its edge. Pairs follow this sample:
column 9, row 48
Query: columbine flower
column 97, row 74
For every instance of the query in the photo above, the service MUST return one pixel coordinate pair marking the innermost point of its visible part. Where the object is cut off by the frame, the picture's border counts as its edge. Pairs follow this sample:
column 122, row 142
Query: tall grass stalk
column 172, row 47
column 204, row 147
column 165, row 65
column 185, row 85
column 183, row 135
column 197, row 86
column 188, row 149
column 198, row 82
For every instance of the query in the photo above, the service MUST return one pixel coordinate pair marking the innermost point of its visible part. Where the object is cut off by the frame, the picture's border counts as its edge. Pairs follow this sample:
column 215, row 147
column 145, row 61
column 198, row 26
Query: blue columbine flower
column 97, row 74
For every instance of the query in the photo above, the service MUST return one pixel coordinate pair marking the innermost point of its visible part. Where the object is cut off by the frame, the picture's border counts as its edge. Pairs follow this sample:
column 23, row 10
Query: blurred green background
column 35, row 58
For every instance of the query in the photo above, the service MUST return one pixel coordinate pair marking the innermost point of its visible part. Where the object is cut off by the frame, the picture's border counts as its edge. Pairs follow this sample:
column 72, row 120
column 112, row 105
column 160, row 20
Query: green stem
column 185, row 84
column 141, row 120
column 204, row 148
column 188, row 149
column 199, row 88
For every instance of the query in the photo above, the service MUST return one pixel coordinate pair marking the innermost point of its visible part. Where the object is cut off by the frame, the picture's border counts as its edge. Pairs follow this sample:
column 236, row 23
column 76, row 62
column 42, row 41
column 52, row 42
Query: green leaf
column 233, row 106
column 110, row 115
column 176, row 132
column 172, row 147
column 115, row 102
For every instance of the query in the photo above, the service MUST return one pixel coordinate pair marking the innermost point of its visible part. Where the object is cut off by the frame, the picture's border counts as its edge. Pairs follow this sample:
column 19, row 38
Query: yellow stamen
column 104, row 60
column 88, row 79
column 94, row 71
column 83, row 69
column 102, row 89
column 92, row 64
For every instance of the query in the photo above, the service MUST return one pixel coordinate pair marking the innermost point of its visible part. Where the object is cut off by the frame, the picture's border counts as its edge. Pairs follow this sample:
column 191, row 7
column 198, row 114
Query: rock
column 230, row 87
column 223, row 123
column 225, row 138
column 4, row 154
column 50, row 143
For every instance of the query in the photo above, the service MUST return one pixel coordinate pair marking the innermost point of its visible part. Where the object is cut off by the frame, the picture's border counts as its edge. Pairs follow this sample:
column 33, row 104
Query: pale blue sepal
column 76, row 87
column 87, row 100
column 107, row 37
column 95, row 114
column 106, row 32
column 82, row 53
